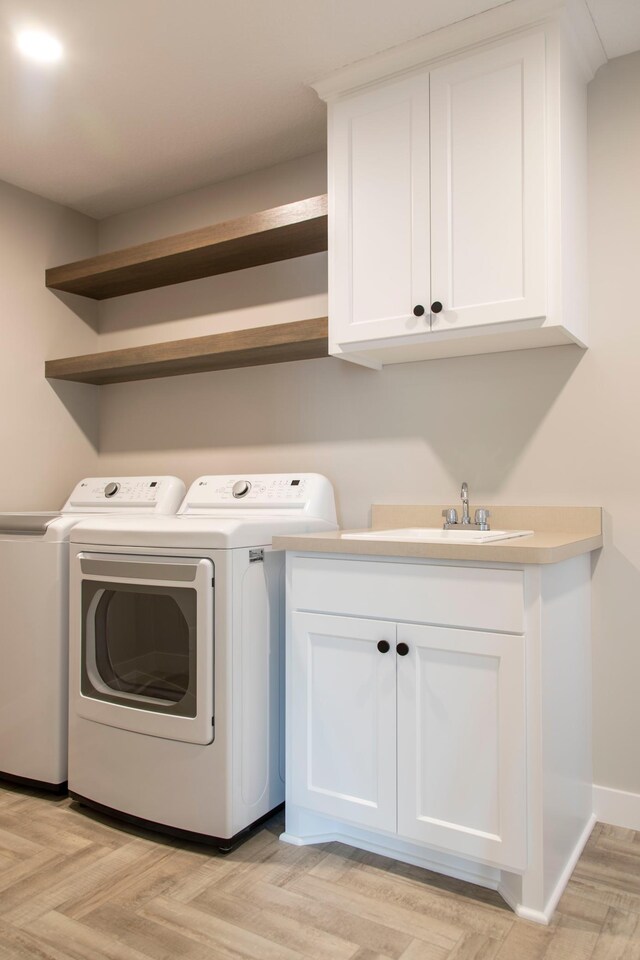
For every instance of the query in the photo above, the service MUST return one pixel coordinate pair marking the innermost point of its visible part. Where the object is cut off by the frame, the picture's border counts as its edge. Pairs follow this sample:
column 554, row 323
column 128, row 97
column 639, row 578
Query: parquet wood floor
column 73, row 886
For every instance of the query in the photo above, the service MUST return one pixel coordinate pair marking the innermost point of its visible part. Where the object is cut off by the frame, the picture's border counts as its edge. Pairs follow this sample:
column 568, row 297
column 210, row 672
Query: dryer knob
column 111, row 489
column 241, row 488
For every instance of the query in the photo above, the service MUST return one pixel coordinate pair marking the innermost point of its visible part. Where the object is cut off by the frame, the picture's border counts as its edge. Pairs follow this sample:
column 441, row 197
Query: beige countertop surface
column 559, row 534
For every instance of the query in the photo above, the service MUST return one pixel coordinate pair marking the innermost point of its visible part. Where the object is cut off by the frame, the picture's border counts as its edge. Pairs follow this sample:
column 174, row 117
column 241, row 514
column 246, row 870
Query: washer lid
column 27, row 523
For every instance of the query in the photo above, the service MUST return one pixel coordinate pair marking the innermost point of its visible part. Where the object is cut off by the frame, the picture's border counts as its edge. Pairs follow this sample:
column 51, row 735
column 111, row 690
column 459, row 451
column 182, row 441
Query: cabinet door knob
column 402, row 649
column 436, row 306
column 418, row 310
column 384, row 646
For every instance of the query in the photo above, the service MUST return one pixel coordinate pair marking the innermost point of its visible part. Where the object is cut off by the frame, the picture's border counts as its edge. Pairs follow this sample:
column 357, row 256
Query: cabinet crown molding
column 573, row 16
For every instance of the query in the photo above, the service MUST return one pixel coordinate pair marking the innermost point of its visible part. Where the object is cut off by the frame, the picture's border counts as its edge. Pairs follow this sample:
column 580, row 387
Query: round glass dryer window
column 139, row 646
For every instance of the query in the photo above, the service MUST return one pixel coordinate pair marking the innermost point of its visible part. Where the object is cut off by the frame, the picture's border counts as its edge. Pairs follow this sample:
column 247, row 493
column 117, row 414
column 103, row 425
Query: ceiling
column 156, row 97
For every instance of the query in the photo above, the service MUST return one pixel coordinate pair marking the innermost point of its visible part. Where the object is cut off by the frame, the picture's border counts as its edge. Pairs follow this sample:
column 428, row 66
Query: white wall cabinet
column 450, row 205
column 439, row 712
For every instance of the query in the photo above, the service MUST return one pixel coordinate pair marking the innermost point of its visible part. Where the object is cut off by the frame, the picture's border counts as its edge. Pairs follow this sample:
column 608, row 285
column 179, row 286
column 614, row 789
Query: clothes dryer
column 34, row 587
column 176, row 656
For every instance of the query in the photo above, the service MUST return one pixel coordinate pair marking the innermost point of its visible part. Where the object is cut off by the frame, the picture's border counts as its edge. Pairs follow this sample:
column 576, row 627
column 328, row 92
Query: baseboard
column 570, row 866
column 617, row 807
column 544, row 916
column 525, row 913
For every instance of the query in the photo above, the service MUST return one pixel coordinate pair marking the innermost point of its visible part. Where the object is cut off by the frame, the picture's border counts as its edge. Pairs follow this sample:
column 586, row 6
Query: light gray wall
column 609, row 433
column 551, row 426
column 48, row 432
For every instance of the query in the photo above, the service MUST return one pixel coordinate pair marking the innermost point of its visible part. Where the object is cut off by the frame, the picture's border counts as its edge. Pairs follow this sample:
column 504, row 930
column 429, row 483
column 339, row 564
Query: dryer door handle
column 125, row 569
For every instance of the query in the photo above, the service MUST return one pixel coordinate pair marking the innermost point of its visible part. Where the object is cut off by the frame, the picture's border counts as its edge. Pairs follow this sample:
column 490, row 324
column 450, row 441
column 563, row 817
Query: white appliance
column 176, row 663
column 34, row 565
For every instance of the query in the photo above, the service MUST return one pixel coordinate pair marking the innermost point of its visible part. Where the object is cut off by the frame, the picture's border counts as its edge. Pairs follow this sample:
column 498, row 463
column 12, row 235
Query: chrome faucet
column 464, row 496
column 480, row 520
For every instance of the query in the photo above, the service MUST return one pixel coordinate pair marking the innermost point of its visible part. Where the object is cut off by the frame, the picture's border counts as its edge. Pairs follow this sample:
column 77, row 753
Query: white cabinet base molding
column 313, row 829
column 304, row 828
column 511, row 888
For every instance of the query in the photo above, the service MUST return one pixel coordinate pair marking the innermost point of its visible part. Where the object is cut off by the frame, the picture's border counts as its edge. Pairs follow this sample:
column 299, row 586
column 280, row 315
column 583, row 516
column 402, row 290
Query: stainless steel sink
column 438, row 535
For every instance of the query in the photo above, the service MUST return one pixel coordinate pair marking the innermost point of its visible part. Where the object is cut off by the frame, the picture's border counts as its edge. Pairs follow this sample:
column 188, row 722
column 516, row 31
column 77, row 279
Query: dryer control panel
column 143, row 494
column 310, row 493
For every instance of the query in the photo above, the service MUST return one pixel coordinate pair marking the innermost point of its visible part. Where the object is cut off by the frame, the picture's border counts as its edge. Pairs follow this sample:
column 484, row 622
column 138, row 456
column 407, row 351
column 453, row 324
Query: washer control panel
column 144, row 494
column 308, row 492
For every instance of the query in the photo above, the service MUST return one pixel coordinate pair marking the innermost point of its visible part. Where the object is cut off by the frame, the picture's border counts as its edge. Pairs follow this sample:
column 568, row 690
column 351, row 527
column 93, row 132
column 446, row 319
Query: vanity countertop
column 559, row 534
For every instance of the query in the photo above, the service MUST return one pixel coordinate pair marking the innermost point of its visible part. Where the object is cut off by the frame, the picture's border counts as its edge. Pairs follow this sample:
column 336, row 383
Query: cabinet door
column 461, row 743
column 342, row 718
column 488, row 186
column 379, row 214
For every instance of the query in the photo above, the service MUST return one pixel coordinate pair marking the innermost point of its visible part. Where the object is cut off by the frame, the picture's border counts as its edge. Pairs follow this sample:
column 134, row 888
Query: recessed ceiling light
column 40, row 46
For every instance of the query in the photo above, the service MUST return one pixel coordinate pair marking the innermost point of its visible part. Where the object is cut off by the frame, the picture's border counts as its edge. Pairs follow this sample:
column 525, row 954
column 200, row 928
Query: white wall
column 48, row 431
column 552, row 426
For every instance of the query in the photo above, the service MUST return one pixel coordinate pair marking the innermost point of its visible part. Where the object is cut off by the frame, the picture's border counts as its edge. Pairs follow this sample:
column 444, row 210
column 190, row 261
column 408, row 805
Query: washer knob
column 241, row 488
column 111, row 489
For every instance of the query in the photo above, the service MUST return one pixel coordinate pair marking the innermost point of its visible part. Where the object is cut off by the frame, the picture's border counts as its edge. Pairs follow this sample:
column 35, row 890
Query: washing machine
column 176, row 656
column 34, row 565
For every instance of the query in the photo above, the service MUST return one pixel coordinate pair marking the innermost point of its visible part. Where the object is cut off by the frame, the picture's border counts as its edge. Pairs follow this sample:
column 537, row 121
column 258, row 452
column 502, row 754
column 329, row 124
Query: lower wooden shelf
column 300, row 340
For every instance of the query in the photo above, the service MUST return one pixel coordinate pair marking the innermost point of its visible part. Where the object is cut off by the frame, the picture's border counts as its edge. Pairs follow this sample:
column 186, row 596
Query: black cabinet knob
column 418, row 310
column 402, row 649
column 436, row 306
column 384, row 646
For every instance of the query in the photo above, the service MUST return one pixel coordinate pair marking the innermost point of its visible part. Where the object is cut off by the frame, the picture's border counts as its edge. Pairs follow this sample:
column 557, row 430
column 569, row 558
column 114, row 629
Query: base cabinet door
column 342, row 721
column 461, row 742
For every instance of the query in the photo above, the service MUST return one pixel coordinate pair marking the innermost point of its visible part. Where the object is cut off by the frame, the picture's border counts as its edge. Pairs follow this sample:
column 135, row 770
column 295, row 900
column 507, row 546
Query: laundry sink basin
column 437, row 535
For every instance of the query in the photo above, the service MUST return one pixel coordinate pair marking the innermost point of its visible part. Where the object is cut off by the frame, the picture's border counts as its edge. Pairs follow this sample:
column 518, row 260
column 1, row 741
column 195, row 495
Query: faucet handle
column 482, row 517
column 450, row 516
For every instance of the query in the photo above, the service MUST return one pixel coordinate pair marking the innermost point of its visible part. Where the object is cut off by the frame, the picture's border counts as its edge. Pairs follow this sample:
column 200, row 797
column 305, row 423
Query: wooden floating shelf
column 293, row 230
column 300, row 340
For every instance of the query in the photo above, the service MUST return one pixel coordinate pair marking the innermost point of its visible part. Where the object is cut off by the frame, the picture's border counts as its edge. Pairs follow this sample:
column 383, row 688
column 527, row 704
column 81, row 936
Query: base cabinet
column 440, row 741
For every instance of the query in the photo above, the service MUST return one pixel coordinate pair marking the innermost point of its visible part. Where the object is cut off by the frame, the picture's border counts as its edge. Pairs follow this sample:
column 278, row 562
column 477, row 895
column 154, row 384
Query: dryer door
column 147, row 644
